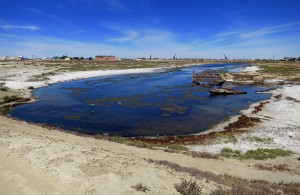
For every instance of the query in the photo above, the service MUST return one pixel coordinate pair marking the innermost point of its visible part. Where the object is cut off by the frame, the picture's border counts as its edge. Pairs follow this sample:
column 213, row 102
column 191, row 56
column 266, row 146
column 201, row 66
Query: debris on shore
column 207, row 79
column 226, row 91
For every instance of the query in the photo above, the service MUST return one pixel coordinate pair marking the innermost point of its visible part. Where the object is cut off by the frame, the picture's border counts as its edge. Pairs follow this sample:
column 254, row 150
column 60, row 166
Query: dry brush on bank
column 231, row 185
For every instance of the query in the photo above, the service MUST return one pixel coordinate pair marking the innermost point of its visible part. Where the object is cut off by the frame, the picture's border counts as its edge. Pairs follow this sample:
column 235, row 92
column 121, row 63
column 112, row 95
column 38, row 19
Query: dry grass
column 235, row 185
column 270, row 167
column 195, row 154
column 140, row 187
column 281, row 70
column 188, row 187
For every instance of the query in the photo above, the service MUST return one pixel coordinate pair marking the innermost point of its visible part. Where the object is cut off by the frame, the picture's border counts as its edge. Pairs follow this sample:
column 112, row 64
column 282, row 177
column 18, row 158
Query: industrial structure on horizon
column 114, row 58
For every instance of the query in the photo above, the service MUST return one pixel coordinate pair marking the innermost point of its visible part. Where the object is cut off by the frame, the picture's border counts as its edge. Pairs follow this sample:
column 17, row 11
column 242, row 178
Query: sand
column 63, row 162
column 37, row 160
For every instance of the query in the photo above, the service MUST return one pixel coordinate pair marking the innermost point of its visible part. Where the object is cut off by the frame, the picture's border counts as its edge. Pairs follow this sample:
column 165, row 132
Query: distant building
column 104, row 58
column 55, row 58
column 13, row 58
column 289, row 59
column 139, row 59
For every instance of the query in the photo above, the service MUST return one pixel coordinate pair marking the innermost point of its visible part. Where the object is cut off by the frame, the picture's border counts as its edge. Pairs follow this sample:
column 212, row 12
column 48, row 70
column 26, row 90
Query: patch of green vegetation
column 118, row 139
column 141, row 144
column 261, row 154
column 127, row 141
column 177, row 147
column 42, row 77
column 258, row 154
column 3, row 89
column 276, row 68
column 258, row 139
column 226, row 138
column 229, row 153
column 283, row 69
column 8, row 99
column 295, row 79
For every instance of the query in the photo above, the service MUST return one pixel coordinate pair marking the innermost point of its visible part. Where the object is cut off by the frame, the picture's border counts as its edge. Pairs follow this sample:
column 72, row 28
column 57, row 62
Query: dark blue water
column 163, row 103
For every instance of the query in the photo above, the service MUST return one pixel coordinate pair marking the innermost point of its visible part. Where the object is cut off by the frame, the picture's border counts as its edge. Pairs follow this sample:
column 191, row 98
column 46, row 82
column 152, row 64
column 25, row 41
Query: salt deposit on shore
column 21, row 81
column 251, row 69
column 280, row 126
column 89, row 74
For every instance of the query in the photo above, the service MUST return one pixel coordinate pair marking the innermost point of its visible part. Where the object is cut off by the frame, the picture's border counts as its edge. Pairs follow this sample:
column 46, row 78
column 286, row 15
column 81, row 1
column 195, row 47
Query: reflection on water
column 164, row 103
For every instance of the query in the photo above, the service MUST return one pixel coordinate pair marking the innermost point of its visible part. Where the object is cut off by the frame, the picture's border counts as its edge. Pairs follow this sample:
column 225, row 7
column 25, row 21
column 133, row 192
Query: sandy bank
column 87, row 165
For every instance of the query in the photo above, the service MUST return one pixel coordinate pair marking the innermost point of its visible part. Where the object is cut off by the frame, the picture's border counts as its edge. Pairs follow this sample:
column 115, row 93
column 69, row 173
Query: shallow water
column 163, row 103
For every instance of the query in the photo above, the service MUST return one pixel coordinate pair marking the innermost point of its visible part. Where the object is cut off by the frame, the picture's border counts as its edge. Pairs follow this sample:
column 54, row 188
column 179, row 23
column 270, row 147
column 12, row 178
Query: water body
column 153, row 104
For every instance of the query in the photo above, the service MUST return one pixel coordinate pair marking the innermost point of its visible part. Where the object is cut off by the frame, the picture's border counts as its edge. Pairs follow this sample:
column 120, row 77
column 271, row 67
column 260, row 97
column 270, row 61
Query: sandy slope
column 84, row 164
column 17, row 176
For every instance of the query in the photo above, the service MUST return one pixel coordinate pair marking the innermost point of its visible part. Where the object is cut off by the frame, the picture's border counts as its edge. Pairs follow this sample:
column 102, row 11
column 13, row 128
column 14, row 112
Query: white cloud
column 249, row 33
column 19, row 27
column 268, row 30
column 128, row 35
column 143, row 37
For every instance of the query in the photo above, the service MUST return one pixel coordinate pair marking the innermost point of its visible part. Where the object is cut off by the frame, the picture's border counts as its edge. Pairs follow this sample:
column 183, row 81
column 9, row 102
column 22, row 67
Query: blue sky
column 140, row 28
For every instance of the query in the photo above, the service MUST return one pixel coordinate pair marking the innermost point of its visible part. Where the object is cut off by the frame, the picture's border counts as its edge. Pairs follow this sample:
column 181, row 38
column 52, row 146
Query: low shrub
column 203, row 155
column 228, row 152
column 188, row 187
column 8, row 99
column 232, row 185
column 3, row 89
column 220, row 191
column 140, row 187
column 270, row 167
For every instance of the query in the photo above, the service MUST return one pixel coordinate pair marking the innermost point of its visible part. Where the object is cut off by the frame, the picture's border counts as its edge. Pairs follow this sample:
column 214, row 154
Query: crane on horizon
column 225, row 57
column 174, row 57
